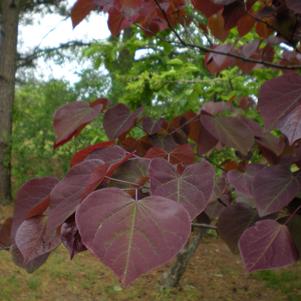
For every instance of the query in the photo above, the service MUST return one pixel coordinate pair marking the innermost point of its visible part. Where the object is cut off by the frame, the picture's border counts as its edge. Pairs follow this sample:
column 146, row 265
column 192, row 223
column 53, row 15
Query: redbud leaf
column 193, row 188
column 267, row 245
column 82, row 179
column 274, row 188
column 132, row 237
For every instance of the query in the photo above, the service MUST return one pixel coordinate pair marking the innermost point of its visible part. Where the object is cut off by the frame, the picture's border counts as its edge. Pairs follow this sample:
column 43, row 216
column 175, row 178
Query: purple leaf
column 233, row 221
column 279, row 102
column 82, row 179
column 205, row 141
column 30, row 266
column 109, row 155
column 113, row 156
column 274, row 188
column 267, row 245
column 290, row 125
column 132, row 174
column 213, row 108
column 272, row 143
column 30, row 195
column 152, row 126
column 193, row 188
column 132, row 237
column 119, row 120
column 231, row 131
column 243, row 181
column 71, row 238
column 32, row 241
column 294, row 226
column 84, row 153
column 70, row 119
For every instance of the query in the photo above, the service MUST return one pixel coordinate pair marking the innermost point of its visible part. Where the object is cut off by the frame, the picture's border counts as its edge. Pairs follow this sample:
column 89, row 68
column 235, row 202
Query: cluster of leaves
column 131, row 200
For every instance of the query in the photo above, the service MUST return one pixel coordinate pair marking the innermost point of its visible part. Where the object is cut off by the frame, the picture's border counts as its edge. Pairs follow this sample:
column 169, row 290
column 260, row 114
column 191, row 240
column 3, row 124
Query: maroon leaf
column 234, row 11
column 31, row 194
column 272, row 143
column 81, row 9
column 231, row 131
column 233, row 221
column 119, row 120
column 213, row 108
column 132, row 237
column 71, row 238
column 110, row 155
column 215, row 63
column 132, row 174
column 181, row 154
column 82, row 179
column 82, row 154
column 152, row 126
column 113, row 156
column 156, row 152
column 267, row 245
column 5, row 234
column 279, row 102
column 193, row 188
column 167, row 143
column 30, row 266
column 32, row 241
column 274, row 188
column 71, row 118
column 243, row 181
column 207, row 7
column 290, row 125
column 294, row 227
column 206, row 141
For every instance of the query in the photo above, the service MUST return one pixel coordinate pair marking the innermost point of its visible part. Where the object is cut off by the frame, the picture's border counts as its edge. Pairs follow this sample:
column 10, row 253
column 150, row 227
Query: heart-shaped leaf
column 267, row 245
column 231, row 131
column 233, row 221
column 118, row 120
column 132, row 237
column 183, row 153
column 82, row 179
column 84, row 153
column 279, row 102
column 193, row 188
column 30, row 266
column 30, row 195
column 32, row 241
column 71, row 118
column 243, row 181
column 152, row 126
column 275, row 188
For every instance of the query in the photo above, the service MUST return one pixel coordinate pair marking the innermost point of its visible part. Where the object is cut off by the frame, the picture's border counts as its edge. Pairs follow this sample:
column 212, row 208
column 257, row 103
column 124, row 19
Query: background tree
column 133, row 199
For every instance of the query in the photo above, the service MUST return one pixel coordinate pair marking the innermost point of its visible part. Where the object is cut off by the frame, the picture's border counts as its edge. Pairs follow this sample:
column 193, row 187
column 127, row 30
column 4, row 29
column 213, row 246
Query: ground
column 214, row 274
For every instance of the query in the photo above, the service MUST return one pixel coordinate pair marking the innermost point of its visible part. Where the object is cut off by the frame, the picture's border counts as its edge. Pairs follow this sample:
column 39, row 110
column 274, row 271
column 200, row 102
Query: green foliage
column 33, row 136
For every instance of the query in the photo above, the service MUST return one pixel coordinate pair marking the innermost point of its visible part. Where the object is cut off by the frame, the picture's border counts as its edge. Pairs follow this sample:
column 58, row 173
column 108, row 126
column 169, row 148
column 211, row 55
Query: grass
column 287, row 281
column 213, row 275
column 83, row 278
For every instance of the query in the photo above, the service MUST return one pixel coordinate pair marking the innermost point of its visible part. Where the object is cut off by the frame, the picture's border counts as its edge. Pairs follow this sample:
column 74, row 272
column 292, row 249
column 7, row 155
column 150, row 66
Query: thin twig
column 204, row 49
column 205, row 226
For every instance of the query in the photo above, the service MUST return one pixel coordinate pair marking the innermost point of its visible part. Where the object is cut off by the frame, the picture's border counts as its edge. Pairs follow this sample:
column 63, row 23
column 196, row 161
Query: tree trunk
column 172, row 277
column 9, row 19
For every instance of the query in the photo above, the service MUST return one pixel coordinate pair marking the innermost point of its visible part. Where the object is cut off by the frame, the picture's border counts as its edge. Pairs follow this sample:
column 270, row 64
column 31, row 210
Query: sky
column 52, row 30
